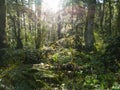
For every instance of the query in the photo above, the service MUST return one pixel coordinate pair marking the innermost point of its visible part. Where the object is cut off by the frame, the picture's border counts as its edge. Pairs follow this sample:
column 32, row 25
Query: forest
column 73, row 46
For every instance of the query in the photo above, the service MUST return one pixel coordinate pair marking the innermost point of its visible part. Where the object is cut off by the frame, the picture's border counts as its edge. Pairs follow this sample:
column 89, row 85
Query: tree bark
column 110, row 17
column 88, row 34
column 102, row 17
column 18, row 38
column 118, row 19
column 3, row 39
column 38, row 25
column 59, row 27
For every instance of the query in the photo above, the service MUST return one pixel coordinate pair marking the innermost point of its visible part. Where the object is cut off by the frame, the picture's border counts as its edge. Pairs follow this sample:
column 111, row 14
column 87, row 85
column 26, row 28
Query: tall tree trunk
column 25, row 32
column 110, row 17
column 38, row 25
column 59, row 27
column 19, row 41
column 18, row 38
column 102, row 17
column 89, row 35
column 118, row 18
column 24, row 24
column 3, row 40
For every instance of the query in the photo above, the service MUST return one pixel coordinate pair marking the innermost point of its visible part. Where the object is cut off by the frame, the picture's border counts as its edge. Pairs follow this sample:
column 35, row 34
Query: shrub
column 28, row 56
column 111, row 57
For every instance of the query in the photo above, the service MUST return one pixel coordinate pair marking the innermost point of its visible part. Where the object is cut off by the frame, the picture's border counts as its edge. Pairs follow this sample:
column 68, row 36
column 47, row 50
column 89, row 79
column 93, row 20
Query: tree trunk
column 38, row 25
column 25, row 32
column 3, row 40
column 110, row 17
column 89, row 35
column 18, row 29
column 24, row 24
column 118, row 19
column 59, row 27
column 19, row 41
column 102, row 17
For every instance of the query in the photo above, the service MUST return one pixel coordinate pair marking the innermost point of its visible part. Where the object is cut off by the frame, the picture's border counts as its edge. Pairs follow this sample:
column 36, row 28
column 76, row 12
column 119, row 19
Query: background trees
column 76, row 19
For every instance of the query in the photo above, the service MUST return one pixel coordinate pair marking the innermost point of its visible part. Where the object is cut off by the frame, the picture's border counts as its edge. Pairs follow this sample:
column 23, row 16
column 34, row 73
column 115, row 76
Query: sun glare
column 52, row 5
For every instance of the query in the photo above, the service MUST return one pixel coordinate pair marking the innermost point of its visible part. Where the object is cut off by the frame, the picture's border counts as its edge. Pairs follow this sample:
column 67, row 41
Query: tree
column 102, row 10
column 118, row 17
column 59, row 27
column 19, row 41
column 89, row 35
column 38, row 23
column 110, row 17
column 17, row 27
column 3, row 39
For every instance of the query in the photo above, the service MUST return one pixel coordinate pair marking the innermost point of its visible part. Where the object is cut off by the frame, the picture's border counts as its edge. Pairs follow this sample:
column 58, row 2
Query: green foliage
column 32, row 56
column 116, row 86
column 99, row 44
column 55, row 57
column 111, row 57
column 91, row 82
column 13, row 56
column 21, row 56
column 113, row 47
column 69, row 69
column 26, row 77
column 64, row 55
column 77, row 70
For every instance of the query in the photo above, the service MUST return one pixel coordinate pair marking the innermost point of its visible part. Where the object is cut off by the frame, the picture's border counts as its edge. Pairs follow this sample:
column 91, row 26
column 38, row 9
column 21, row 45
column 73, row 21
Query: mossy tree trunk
column 18, row 23
column 3, row 39
column 38, row 40
column 89, row 35
column 59, row 27
column 118, row 18
column 110, row 17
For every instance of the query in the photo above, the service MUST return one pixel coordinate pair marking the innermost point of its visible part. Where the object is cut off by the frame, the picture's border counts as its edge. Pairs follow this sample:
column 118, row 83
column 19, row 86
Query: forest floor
column 59, row 69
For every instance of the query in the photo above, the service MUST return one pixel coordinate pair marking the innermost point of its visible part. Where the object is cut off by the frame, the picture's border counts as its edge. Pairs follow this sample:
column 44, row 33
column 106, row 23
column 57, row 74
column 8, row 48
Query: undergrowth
column 61, row 69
